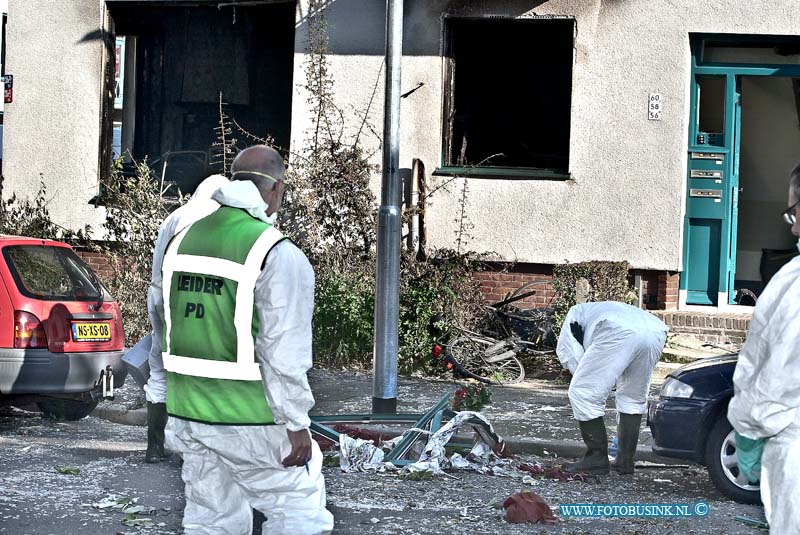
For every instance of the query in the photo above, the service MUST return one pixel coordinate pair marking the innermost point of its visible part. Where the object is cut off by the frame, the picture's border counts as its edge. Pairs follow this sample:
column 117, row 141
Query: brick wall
column 721, row 328
column 498, row 281
column 668, row 290
column 659, row 288
column 98, row 262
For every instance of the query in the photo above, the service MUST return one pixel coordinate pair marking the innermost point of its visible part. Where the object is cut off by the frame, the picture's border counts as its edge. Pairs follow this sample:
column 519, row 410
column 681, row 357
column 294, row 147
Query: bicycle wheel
column 476, row 355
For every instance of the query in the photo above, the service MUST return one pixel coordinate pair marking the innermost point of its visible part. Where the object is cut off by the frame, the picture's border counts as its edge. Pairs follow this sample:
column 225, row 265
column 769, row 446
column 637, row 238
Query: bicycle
column 493, row 358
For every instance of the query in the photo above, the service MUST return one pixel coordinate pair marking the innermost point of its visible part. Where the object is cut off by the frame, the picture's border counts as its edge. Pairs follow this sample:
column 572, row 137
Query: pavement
column 57, row 478
column 533, row 417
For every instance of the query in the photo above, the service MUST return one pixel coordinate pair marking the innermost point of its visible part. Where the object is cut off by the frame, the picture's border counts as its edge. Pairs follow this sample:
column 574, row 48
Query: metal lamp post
column 387, row 287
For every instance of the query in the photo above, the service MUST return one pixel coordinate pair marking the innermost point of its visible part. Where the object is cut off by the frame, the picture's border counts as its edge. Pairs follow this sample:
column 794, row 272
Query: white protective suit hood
column 245, row 195
column 207, row 187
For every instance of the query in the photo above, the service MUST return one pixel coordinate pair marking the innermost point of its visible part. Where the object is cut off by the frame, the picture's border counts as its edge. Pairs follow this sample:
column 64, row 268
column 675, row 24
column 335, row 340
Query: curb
column 118, row 414
column 575, row 449
column 545, row 448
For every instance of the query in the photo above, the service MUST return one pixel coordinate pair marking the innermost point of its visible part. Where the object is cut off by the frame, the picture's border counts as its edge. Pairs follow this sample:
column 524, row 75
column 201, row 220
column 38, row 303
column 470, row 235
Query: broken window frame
column 448, row 111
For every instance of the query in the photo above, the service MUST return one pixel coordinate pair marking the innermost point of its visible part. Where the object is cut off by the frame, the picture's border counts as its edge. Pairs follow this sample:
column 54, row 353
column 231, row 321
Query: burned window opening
column 182, row 59
column 508, row 93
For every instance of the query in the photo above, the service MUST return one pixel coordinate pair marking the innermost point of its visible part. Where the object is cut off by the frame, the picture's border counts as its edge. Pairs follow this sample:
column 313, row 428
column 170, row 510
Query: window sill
column 510, row 173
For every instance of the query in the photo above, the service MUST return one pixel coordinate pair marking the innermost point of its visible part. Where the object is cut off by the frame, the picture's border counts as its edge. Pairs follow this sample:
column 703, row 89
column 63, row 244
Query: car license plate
column 91, row 332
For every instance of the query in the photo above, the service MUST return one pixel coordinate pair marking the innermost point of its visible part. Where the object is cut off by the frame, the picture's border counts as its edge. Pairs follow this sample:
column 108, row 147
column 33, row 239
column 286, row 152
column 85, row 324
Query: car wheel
column 66, row 409
column 723, row 466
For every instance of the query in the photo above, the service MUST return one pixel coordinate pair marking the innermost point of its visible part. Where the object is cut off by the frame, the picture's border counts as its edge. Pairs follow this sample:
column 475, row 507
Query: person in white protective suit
column 603, row 344
column 198, row 207
column 765, row 408
column 237, row 302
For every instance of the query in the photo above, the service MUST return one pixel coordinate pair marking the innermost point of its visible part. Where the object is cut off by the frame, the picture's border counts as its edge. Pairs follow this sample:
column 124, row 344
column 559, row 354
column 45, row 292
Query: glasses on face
column 788, row 214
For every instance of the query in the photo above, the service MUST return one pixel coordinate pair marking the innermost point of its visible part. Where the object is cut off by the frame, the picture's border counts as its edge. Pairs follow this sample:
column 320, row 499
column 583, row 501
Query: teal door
column 711, row 219
column 735, row 98
column 712, row 193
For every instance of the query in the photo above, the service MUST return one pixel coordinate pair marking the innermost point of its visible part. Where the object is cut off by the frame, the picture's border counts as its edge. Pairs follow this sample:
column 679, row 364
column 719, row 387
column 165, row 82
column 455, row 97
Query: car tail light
column 437, row 350
column 28, row 331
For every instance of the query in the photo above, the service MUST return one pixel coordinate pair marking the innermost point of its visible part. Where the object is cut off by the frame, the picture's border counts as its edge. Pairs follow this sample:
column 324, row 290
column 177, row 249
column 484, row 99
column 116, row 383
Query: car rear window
column 51, row 273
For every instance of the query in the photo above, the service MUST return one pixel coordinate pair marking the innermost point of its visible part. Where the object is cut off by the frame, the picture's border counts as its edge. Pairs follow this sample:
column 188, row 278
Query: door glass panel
column 710, row 111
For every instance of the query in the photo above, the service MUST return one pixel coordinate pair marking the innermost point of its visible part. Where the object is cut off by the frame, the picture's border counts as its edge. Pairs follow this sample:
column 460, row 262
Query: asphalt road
column 35, row 499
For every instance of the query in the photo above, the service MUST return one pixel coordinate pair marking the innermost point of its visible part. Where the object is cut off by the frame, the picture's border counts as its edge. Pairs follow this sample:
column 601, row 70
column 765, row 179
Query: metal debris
column 480, row 458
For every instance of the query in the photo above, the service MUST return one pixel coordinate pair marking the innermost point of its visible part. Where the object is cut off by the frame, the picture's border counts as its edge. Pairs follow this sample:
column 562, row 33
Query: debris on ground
column 553, row 472
column 360, row 455
column 133, row 522
column 123, row 504
column 528, row 507
column 752, row 521
column 68, row 470
column 481, row 458
column 367, row 454
column 488, row 454
column 326, row 444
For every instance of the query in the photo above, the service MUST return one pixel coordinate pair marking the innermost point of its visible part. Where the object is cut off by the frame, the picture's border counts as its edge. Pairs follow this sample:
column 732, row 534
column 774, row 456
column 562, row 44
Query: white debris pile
column 130, row 507
column 480, row 458
column 123, row 504
column 358, row 455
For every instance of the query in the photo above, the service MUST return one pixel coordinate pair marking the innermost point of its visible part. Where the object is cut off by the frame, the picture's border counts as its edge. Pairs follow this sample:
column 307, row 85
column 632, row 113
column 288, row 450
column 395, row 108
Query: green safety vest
column 209, row 276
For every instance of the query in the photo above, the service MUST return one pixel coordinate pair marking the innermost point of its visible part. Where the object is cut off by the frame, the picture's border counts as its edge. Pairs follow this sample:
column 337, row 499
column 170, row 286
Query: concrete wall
column 770, row 150
column 52, row 129
column 626, row 197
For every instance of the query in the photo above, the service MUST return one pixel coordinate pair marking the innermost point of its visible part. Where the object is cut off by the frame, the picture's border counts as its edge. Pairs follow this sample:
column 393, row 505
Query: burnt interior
column 187, row 56
column 509, row 93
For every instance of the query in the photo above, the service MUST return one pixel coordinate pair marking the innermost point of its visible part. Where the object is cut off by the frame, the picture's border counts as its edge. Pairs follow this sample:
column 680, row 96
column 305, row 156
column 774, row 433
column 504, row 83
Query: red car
column 61, row 337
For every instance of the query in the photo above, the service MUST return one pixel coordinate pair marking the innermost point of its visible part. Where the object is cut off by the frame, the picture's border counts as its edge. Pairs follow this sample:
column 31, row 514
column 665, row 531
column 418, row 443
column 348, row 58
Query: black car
column 689, row 421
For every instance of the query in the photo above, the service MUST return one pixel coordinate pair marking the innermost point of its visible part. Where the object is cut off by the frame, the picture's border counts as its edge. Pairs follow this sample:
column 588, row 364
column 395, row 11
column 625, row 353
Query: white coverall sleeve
column 156, row 387
column 569, row 351
column 197, row 208
column 284, row 300
column 767, row 378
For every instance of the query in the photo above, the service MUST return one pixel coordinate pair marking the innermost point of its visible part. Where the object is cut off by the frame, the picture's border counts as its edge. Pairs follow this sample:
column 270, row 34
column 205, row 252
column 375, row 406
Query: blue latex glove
column 749, row 452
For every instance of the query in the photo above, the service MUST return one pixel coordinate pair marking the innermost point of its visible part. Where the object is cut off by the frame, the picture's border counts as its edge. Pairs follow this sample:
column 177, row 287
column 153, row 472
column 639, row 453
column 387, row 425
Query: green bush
column 441, row 285
column 608, row 281
column 345, row 300
column 343, row 325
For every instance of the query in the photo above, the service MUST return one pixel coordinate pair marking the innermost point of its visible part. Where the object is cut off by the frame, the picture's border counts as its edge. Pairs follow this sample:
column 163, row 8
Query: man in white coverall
column 199, row 206
column 237, row 302
column 603, row 344
column 765, row 408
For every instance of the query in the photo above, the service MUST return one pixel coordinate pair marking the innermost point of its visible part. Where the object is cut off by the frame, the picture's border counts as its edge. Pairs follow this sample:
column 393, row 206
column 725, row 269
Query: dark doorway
column 185, row 57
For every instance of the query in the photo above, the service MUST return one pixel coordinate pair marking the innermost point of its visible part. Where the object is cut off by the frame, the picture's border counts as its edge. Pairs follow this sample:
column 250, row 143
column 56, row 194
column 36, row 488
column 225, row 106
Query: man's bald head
column 255, row 162
column 263, row 166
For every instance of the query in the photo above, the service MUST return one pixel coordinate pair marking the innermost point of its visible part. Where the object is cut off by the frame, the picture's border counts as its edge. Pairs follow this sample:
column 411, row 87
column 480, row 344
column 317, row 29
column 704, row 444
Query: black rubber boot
column 156, row 423
column 595, row 460
column 628, row 439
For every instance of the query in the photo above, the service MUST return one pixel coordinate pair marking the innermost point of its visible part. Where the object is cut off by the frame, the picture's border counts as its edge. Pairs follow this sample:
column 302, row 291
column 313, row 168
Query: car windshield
column 51, row 273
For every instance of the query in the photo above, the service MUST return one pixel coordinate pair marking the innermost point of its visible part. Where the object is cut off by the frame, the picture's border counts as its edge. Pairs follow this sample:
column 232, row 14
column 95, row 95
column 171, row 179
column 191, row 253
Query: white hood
column 245, row 195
